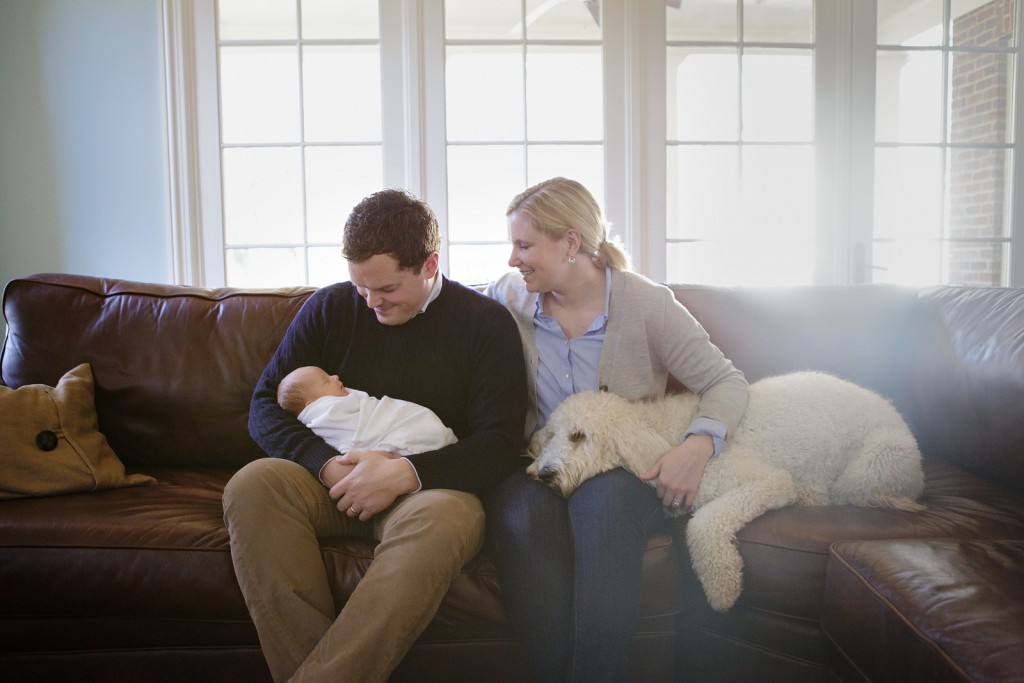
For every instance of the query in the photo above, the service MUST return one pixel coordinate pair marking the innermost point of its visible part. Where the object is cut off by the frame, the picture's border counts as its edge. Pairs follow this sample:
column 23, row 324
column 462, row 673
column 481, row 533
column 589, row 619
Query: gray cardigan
column 650, row 336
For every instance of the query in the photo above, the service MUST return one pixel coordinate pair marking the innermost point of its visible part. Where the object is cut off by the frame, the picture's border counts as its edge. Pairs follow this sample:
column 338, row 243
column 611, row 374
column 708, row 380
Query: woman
column 571, row 568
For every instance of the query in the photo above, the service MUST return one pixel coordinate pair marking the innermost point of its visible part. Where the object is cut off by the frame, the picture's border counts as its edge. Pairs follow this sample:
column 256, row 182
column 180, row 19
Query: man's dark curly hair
column 395, row 223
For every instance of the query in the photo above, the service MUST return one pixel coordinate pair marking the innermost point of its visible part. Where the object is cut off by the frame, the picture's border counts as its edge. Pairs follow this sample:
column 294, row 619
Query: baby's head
column 302, row 386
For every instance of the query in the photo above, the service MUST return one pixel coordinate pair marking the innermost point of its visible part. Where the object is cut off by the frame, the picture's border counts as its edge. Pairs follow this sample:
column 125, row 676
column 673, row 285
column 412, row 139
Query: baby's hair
column 291, row 396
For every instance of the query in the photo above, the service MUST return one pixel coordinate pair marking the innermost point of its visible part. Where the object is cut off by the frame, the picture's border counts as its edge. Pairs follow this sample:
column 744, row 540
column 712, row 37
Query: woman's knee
column 522, row 507
column 617, row 496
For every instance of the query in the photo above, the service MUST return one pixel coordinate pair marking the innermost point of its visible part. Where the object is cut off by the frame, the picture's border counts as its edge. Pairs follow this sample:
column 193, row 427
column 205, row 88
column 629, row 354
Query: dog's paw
column 716, row 561
column 723, row 592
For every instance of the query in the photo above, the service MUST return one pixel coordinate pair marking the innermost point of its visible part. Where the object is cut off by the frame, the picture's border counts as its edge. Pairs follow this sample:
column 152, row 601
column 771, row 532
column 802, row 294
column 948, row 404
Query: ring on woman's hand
column 677, row 502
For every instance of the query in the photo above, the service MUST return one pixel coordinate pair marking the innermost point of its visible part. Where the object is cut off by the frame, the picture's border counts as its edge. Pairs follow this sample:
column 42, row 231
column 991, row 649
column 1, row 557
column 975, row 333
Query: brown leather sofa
column 136, row 583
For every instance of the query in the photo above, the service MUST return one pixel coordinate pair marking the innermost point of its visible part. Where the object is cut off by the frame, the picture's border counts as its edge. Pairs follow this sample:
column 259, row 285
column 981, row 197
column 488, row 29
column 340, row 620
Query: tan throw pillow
column 50, row 441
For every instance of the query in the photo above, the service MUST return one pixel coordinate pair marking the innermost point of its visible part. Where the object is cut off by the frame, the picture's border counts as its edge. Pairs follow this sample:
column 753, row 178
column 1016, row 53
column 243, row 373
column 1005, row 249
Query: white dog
column 806, row 438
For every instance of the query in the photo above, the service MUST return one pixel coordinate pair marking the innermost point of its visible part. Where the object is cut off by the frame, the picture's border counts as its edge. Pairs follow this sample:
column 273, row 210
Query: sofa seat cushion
column 121, row 566
column 785, row 551
column 926, row 610
column 135, row 561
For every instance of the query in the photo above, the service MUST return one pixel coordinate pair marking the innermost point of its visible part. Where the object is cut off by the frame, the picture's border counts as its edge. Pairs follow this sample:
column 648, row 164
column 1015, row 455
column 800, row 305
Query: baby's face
column 317, row 383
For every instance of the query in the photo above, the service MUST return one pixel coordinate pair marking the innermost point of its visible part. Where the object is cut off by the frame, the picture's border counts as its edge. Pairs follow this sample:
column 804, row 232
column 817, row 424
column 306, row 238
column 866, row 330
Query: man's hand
column 334, row 471
column 679, row 471
column 377, row 478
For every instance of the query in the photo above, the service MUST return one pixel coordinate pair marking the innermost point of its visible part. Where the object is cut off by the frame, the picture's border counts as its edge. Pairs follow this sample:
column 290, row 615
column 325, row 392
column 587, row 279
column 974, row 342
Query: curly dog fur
column 807, row 438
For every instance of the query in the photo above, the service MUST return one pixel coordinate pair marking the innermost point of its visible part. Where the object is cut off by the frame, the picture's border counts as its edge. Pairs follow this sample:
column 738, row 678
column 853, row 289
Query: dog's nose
column 546, row 474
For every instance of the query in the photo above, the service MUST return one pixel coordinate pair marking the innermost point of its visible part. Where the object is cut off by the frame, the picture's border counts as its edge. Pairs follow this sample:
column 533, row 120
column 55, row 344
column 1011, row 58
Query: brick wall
column 980, row 91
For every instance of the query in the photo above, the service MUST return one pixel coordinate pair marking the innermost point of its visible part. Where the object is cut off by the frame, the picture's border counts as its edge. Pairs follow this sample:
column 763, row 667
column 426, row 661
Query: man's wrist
column 417, row 482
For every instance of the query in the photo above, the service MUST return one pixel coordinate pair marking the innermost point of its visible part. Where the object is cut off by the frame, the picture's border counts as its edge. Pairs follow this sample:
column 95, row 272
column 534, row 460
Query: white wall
column 82, row 160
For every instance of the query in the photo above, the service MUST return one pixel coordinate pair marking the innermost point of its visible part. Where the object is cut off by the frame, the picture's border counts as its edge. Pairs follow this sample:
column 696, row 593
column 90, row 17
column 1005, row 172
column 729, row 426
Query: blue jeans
column 571, row 570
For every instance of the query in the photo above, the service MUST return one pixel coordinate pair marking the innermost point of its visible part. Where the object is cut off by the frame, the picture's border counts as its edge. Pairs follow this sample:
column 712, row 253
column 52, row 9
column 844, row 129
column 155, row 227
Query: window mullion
column 432, row 184
column 400, row 93
column 634, row 79
column 860, row 211
column 1016, row 269
column 193, row 141
column 832, row 135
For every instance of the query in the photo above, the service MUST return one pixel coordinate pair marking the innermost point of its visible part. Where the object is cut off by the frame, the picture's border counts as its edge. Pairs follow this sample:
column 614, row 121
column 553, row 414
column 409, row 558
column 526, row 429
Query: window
column 740, row 126
column 300, row 131
column 524, row 102
column 944, row 141
column 734, row 142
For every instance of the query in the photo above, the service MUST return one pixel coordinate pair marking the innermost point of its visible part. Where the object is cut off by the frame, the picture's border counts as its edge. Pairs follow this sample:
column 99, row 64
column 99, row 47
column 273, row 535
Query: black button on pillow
column 46, row 440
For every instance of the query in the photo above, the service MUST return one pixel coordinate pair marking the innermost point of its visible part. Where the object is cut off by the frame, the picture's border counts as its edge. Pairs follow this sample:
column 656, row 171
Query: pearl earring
column 572, row 259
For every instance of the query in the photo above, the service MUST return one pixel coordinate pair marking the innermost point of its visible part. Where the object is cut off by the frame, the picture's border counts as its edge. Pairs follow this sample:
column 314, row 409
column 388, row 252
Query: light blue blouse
column 567, row 366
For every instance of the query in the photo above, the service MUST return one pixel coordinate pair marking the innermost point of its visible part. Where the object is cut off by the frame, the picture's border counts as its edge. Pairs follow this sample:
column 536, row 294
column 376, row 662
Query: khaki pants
column 276, row 511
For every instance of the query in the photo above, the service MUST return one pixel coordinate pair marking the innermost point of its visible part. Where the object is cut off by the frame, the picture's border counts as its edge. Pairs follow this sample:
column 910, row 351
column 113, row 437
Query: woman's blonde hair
column 557, row 205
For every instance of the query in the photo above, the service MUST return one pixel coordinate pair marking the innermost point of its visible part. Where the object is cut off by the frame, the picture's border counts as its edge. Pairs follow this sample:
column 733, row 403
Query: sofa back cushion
column 965, row 383
column 174, row 367
column 951, row 359
column 855, row 332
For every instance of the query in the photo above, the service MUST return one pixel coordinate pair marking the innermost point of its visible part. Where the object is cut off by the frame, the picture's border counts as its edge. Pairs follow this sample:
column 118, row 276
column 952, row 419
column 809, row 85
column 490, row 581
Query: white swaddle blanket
column 360, row 422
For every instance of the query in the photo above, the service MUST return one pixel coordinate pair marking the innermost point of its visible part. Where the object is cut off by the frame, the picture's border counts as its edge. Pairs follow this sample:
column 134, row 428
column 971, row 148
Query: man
column 400, row 329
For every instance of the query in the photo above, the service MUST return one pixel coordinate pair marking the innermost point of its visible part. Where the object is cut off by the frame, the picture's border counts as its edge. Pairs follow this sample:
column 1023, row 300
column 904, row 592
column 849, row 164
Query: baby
column 352, row 420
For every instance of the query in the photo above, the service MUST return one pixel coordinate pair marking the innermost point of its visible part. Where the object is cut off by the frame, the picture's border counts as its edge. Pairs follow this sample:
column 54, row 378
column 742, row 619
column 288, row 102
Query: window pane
column 564, row 93
column 908, row 99
column 771, row 204
column 259, row 94
column 341, row 93
column 752, row 262
column 778, row 196
column 777, row 102
column 262, row 196
column 908, row 193
column 703, row 94
column 476, row 20
column 265, row 267
column 703, row 192
column 256, row 19
column 352, row 19
column 326, row 266
column 583, row 163
column 478, row 264
column 907, row 262
column 572, row 20
column 981, row 86
column 979, row 192
column 476, row 210
column 337, row 178
column 485, row 93
column 978, row 264
column 926, row 262
column 701, row 20
column 789, row 22
column 903, row 23
column 989, row 24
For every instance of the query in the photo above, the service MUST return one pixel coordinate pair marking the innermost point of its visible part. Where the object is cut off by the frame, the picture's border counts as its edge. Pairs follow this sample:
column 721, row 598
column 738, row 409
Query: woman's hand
column 677, row 474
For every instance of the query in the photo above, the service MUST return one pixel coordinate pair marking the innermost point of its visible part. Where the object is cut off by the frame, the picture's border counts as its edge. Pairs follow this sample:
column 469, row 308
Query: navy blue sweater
column 462, row 358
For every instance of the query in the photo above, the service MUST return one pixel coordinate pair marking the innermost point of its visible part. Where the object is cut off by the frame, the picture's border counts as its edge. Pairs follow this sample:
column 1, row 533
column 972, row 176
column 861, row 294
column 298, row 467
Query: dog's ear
column 538, row 441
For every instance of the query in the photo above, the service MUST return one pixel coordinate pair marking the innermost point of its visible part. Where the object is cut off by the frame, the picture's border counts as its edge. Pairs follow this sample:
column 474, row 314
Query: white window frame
column 415, row 148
